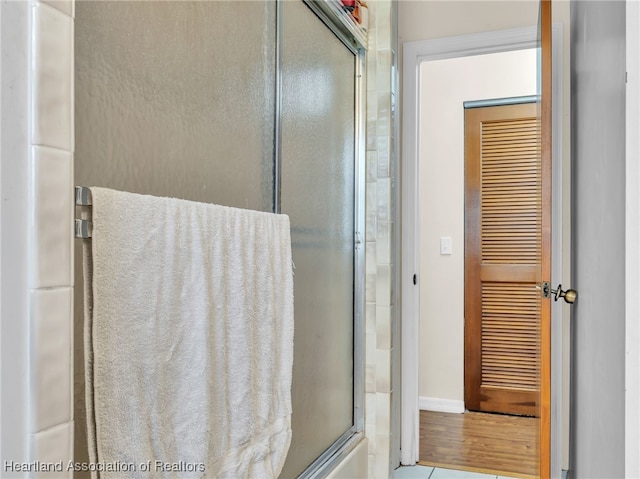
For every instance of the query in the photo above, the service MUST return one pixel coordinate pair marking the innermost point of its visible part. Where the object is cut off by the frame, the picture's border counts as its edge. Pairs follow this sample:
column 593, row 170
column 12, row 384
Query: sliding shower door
column 247, row 104
column 177, row 99
column 318, row 179
column 172, row 99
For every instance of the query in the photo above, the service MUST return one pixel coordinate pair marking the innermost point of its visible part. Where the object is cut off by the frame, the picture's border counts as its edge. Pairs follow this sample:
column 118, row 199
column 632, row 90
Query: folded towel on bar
column 188, row 339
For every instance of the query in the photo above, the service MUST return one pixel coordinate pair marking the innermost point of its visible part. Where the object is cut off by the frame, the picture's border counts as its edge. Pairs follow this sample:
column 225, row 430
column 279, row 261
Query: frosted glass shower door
column 172, row 99
column 318, row 174
column 177, row 99
column 247, row 104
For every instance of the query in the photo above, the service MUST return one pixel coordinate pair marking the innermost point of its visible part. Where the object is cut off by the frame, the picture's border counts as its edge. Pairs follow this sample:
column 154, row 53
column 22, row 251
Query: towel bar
column 83, row 196
column 83, row 226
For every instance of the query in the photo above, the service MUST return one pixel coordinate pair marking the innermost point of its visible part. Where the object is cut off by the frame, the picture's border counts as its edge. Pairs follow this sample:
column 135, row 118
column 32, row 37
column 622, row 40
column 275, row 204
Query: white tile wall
column 383, row 377
column 51, row 387
column 50, row 235
column 53, row 446
column 383, row 328
column 354, row 466
column 380, row 313
column 51, row 254
column 65, row 6
column 372, row 166
column 52, row 63
column 384, row 156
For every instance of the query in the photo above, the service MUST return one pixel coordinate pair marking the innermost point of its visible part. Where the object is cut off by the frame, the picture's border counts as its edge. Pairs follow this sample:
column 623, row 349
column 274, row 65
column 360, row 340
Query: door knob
column 569, row 295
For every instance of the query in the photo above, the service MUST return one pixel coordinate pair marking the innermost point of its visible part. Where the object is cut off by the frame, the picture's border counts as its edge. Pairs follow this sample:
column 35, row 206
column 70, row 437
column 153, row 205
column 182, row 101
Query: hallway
column 474, row 441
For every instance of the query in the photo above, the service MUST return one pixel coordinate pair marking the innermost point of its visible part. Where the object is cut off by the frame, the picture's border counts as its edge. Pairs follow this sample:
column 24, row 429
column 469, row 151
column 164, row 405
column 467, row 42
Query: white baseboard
column 441, row 405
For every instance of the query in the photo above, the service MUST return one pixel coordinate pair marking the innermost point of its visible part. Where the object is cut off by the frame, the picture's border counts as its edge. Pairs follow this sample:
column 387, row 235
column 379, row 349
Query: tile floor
column 426, row 472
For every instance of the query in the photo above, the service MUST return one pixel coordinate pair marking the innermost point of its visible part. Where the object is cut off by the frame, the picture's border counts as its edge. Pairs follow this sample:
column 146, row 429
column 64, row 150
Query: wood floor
column 480, row 442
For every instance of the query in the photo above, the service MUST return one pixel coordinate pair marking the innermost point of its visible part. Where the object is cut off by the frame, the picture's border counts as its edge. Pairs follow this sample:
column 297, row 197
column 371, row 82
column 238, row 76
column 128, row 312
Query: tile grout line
column 433, row 470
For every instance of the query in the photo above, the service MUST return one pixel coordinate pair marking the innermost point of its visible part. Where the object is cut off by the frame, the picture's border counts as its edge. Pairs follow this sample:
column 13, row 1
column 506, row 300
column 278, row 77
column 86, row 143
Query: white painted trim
column 441, row 405
column 14, row 158
column 557, row 318
column 632, row 241
column 451, row 47
column 468, row 45
column 1, row 382
column 410, row 258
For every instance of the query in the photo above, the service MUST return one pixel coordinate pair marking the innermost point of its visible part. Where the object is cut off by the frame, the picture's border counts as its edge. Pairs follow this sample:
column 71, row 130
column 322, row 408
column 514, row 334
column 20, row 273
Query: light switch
column 446, row 245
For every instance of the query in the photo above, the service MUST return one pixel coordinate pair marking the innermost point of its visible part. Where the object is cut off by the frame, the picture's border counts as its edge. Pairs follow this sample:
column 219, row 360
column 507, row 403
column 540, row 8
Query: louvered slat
column 510, row 233
column 510, row 335
column 510, row 179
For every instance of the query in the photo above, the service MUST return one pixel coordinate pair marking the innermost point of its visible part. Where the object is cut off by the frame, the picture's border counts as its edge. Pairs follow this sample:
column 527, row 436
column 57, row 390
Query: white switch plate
column 446, row 245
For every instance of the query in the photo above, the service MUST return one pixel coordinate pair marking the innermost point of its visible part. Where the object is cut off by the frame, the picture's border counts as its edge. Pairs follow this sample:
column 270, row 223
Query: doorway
column 418, row 58
column 445, row 278
column 503, row 254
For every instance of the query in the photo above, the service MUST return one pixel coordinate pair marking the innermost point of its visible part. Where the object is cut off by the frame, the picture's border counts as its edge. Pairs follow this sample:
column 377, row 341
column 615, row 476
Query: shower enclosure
column 254, row 105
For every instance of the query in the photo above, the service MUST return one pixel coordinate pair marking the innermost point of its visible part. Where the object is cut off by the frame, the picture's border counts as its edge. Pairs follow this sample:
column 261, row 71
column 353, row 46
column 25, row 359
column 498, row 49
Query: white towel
column 189, row 339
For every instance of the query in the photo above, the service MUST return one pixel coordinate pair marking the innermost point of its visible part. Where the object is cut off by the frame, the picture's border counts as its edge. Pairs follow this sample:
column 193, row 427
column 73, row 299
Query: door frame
column 632, row 240
column 414, row 54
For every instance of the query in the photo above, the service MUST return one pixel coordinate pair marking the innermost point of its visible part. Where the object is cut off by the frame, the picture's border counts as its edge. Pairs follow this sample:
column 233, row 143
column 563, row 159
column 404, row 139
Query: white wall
column 598, row 70
column 13, row 255
column 446, row 84
column 425, row 19
column 632, row 270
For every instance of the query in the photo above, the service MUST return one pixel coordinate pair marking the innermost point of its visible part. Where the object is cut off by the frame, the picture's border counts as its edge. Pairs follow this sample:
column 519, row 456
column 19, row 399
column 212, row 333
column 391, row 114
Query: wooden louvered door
column 503, row 255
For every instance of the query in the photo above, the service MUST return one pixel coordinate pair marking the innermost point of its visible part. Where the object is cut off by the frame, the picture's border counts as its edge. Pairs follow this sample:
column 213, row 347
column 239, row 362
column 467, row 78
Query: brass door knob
column 570, row 295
